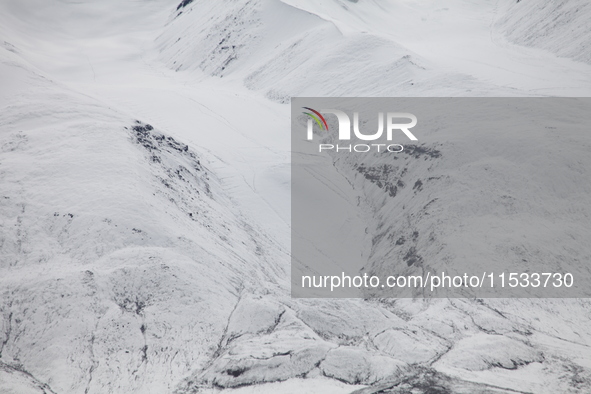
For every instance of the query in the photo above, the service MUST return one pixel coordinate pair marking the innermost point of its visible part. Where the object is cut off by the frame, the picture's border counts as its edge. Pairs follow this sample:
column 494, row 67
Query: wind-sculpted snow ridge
column 560, row 26
column 15, row 380
column 284, row 51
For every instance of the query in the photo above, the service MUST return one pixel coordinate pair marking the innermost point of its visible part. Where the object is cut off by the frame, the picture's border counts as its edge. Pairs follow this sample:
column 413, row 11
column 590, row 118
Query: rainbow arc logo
column 317, row 116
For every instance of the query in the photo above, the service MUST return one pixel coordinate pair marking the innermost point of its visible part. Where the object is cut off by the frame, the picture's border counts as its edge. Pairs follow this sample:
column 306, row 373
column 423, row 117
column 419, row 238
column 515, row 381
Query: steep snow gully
column 145, row 202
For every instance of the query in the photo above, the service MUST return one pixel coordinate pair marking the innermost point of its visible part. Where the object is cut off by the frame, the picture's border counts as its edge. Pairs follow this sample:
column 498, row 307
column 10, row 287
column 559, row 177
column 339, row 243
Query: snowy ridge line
column 20, row 377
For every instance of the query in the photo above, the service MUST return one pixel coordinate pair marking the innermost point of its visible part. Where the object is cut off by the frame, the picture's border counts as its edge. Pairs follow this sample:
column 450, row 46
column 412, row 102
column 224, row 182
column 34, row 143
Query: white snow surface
column 145, row 202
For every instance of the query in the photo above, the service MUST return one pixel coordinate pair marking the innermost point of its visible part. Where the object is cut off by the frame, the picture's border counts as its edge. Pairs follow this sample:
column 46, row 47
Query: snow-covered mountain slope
column 110, row 231
column 402, row 48
column 144, row 200
column 513, row 196
column 284, row 51
column 560, row 26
